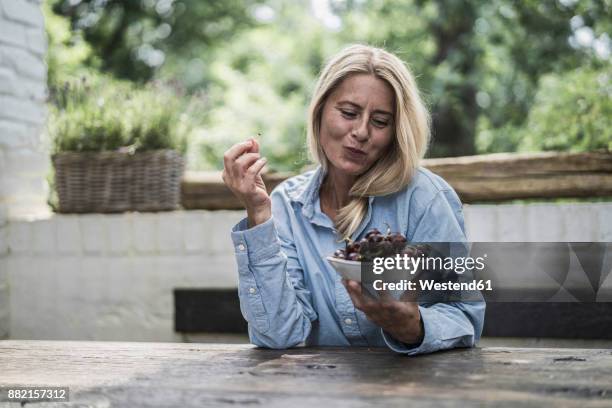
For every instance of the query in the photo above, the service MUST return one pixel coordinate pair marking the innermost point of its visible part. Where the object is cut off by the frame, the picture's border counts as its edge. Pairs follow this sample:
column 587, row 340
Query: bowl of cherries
column 347, row 261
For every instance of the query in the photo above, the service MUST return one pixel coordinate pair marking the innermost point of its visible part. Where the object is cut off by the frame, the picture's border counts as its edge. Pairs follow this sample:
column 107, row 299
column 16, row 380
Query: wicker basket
column 105, row 182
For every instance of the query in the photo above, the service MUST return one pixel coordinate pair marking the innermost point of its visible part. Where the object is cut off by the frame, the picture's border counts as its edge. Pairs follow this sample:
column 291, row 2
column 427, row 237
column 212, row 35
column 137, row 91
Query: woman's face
column 357, row 123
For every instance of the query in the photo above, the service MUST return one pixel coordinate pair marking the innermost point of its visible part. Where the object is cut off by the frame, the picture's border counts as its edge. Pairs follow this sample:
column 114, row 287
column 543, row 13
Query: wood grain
column 103, row 374
column 482, row 178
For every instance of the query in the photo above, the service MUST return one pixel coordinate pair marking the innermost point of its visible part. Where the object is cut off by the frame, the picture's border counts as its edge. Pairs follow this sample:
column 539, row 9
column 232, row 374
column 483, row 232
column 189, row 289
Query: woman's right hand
column 242, row 167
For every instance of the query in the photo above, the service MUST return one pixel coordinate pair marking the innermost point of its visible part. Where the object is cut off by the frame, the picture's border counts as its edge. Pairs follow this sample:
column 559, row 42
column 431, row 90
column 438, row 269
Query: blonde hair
column 393, row 171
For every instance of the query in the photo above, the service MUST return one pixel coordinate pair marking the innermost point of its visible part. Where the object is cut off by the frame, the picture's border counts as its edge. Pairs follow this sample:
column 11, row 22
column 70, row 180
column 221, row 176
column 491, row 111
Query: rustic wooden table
column 103, row 374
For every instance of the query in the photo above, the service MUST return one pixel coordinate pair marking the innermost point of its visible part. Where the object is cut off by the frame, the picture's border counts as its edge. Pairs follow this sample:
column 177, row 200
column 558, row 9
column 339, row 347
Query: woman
column 367, row 130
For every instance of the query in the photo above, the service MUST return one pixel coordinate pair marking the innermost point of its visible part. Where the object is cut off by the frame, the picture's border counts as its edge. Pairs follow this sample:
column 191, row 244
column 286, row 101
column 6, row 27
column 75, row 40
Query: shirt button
column 252, row 290
column 348, row 321
column 241, row 247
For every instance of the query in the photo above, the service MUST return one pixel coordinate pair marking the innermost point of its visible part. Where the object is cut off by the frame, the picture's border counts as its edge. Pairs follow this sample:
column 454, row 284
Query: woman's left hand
column 400, row 318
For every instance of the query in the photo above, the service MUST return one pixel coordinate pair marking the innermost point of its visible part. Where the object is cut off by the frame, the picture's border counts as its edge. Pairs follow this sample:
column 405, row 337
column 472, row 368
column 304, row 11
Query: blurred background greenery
column 498, row 75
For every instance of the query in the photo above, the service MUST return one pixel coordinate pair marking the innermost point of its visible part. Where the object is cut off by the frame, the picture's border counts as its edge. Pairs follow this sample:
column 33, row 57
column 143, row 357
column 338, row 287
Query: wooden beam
column 491, row 177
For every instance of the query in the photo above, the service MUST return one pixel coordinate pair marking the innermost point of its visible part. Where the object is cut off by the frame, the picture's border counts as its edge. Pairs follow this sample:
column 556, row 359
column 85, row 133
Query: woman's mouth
column 355, row 154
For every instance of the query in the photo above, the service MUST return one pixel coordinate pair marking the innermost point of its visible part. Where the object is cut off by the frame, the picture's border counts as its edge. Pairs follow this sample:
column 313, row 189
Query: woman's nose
column 361, row 131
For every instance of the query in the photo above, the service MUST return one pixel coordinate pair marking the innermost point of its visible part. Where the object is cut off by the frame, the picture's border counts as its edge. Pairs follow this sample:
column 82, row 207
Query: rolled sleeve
column 430, row 337
column 258, row 243
column 446, row 325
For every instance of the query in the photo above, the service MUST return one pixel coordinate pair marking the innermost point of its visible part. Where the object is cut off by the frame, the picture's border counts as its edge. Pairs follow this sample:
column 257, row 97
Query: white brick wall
column 111, row 277
column 23, row 161
column 540, row 222
column 4, row 298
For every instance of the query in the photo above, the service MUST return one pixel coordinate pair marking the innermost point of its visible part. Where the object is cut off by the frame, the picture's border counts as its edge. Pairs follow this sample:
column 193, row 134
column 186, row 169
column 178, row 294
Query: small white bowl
column 347, row 269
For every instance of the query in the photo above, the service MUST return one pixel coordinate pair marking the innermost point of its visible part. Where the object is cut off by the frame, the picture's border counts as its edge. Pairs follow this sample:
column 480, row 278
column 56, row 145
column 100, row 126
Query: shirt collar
column 310, row 193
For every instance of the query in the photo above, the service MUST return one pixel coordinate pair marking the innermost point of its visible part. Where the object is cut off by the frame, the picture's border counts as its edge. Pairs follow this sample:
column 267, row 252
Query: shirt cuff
column 432, row 333
column 259, row 243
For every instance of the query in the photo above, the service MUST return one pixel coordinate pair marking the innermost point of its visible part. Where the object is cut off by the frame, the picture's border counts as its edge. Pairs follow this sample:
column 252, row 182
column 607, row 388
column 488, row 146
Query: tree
column 133, row 38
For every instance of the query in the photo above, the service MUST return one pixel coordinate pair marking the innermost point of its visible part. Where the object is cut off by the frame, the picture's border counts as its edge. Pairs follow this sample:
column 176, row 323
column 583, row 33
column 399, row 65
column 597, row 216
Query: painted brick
column 580, row 222
column 481, row 223
column 26, row 162
column 23, row 188
column 144, row 232
column 543, row 224
column 24, row 303
column 69, row 294
column 196, row 232
column 44, row 286
column 23, row 11
column 170, row 232
column 143, row 270
column 4, row 246
column 4, row 268
column 3, row 212
column 32, row 90
column 28, row 206
column 93, row 233
column 8, row 84
column 121, row 280
column 4, row 325
column 69, row 272
column 22, row 110
column 510, row 223
column 197, row 271
column 36, row 40
column 119, row 230
column 604, row 221
column 43, row 237
column 68, row 234
column 13, row 33
column 23, row 62
column 95, row 281
column 19, row 237
column 220, row 224
column 12, row 135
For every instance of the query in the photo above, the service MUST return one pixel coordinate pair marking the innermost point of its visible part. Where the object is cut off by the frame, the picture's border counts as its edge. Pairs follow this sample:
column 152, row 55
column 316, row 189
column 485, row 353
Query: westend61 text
column 412, row 264
column 428, row 285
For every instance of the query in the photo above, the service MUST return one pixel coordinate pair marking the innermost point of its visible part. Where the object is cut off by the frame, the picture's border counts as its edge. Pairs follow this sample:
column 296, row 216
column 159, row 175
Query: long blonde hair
column 394, row 171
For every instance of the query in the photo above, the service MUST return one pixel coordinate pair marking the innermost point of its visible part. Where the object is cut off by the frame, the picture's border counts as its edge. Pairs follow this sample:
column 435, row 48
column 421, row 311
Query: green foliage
column 67, row 50
column 255, row 89
column 131, row 39
column 495, row 73
column 572, row 112
column 98, row 113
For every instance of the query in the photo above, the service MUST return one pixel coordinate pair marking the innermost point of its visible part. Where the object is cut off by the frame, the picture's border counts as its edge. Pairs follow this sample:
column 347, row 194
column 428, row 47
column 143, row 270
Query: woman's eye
column 380, row 123
column 348, row 114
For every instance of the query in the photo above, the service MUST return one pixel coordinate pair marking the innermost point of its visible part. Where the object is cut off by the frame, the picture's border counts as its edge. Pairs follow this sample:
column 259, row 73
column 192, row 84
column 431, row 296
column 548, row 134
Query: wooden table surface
column 103, row 374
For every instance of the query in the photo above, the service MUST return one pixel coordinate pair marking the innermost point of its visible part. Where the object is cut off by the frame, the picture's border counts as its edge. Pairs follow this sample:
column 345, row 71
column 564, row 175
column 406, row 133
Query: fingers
column 236, row 151
column 238, row 158
column 256, row 167
column 245, row 161
column 409, row 296
column 255, row 145
column 389, row 314
column 367, row 304
column 385, row 296
column 361, row 301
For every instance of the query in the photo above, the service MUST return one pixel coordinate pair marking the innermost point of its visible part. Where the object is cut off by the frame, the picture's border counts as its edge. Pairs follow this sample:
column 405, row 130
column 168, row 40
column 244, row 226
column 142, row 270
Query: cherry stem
column 388, row 228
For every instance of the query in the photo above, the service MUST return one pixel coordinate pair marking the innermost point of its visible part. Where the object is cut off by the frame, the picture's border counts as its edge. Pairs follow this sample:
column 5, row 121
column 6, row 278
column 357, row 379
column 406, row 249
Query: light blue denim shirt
column 290, row 294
